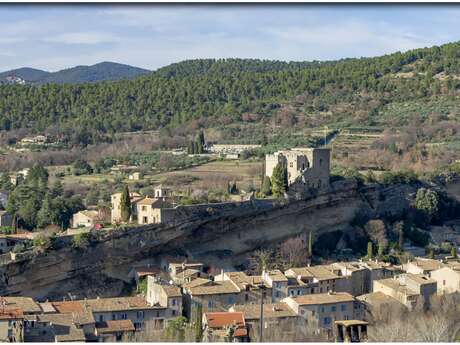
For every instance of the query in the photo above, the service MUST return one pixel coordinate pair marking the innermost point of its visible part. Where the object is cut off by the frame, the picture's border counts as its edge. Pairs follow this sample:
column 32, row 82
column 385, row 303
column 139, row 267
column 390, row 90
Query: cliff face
column 215, row 233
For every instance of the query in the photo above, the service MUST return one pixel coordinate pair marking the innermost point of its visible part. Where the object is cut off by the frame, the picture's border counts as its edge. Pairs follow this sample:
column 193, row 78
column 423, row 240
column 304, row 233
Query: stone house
column 85, row 218
column 408, row 288
column 116, row 206
column 358, row 275
column 114, row 330
column 136, row 309
column 274, row 313
column 218, row 326
column 378, row 303
column 251, row 286
column 12, row 326
column 301, row 282
column 447, row 279
column 149, row 210
column 211, row 295
column 278, row 283
column 135, row 176
column 324, row 309
column 161, row 191
column 166, row 296
column 309, row 167
column 422, row 266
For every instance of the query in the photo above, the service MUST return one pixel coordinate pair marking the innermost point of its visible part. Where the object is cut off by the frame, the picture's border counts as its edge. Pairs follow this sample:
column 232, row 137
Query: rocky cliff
column 222, row 233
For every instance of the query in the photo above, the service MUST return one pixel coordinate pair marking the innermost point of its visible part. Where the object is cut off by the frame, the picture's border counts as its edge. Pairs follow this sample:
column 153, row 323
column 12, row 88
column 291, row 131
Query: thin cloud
column 83, row 38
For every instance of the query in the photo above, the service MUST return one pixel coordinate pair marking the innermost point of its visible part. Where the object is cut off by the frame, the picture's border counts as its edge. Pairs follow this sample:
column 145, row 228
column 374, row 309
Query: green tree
column 57, row 189
column 81, row 167
column 46, row 215
column 266, row 186
column 279, row 183
column 453, row 251
column 427, row 201
column 198, row 311
column 175, row 330
column 125, row 205
column 370, row 253
column 310, row 244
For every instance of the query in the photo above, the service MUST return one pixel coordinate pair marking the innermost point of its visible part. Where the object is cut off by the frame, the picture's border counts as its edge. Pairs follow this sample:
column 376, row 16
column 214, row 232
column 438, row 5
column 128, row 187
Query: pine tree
column 401, row 238
column 46, row 216
column 125, row 205
column 310, row 244
column 370, row 253
column 278, row 181
column 266, row 186
column 453, row 251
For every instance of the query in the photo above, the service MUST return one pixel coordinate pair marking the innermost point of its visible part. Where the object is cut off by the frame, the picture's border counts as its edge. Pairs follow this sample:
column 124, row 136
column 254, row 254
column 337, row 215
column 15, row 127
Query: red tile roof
column 219, row 320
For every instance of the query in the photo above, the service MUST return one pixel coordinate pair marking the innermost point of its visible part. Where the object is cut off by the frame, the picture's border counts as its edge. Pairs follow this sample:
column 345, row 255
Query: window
column 298, row 292
column 302, row 312
column 277, row 294
column 231, row 300
column 209, row 304
column 123, row 316
column 140, row 314
column 443, row 282
column 322, row 309
column 101, row 318
column 343, row 307
column 144, row 220
column 158, row 314
column 320, row 161
column 144, row 208
column 292, row 292
column 327, row 320
column 114, row 317
column 174, row 312
column 333, row 308
column 312, row 290
column 173, row 301
column 246, row 297
column 291, row 164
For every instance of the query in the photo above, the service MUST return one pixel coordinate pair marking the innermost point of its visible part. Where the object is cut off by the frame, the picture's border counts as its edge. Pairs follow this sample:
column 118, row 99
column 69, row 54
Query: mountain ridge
column 102, row 71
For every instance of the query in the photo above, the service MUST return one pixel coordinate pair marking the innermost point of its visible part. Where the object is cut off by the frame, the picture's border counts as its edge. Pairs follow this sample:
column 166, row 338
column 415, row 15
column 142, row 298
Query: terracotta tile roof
column 196, row 282
column 419, row 278
column 277, row 276
column 220, row 320
column 116, row 304
column 11, row 314
column 271, row 310
column 322, row 273
column 27, row 304
column 396, row 285
column 114, row 326
column 214, row 288
column 150, row 201
column 376, row 299
column 172, row 290
column 63, row 326
column 90, row 213
column 427, row 264
column 299, row 271
column 323, row 298
column 68, row 307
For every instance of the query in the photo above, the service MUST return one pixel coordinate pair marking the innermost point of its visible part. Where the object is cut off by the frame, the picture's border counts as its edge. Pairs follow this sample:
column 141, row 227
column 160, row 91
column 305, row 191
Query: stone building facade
column 308, row 166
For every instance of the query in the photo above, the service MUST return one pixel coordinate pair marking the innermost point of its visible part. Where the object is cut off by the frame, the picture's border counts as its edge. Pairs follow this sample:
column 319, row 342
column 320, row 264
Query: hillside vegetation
column 347, row 92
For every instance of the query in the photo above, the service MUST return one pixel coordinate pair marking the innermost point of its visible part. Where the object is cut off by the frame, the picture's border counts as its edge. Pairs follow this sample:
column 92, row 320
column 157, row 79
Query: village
column 337, row 300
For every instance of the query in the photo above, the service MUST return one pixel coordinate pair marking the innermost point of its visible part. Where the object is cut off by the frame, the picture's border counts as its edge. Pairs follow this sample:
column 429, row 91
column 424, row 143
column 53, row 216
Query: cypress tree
column 278, row 181
column 125, row 205
column 266, row 186
column 369, row 250
column 453, row 251
column 310, row 244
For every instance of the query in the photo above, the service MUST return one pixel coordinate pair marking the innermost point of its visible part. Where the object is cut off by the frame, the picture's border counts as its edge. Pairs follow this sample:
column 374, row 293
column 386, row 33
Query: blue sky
column 54, row 37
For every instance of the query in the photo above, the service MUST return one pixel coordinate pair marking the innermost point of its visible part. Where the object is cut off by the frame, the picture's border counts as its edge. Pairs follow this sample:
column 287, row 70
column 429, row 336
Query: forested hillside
column 366, row 91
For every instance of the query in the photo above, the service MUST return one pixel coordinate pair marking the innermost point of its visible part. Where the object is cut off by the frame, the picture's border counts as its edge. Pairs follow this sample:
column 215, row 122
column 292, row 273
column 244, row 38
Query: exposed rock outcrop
column 101, row 267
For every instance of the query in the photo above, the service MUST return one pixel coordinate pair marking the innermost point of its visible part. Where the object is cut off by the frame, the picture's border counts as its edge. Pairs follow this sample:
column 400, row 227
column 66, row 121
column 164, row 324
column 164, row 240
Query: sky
column 54, row 37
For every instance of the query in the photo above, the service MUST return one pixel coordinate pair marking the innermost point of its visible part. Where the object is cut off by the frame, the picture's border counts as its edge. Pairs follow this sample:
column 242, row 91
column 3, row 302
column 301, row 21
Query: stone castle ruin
column 305, row 167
